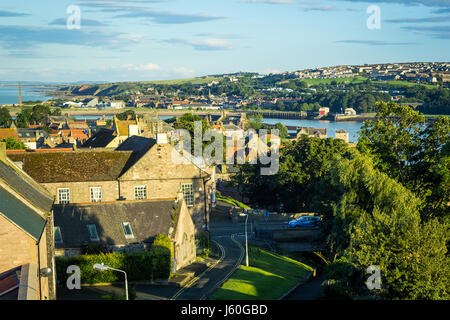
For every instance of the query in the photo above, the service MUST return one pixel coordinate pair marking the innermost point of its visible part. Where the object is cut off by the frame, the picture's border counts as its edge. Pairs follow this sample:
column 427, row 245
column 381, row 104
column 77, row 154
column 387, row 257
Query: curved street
column 205, row 284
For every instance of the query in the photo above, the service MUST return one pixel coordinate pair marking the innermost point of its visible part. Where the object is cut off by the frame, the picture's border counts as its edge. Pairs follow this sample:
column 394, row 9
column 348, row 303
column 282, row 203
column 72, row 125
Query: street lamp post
column 246, row 241
column 103, row 267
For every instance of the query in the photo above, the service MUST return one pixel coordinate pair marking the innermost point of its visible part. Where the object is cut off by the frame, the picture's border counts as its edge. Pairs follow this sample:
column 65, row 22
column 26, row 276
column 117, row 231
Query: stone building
column 312, row 132
column 126, row 226
column 26, row 236
column 342, row 134
column 147, row 172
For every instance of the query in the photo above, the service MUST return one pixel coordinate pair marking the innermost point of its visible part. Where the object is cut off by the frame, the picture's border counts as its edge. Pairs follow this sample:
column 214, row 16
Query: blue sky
column 168, row 39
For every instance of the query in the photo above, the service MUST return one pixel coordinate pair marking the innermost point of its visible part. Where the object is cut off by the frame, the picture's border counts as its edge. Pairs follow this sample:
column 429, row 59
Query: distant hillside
column 112, row 89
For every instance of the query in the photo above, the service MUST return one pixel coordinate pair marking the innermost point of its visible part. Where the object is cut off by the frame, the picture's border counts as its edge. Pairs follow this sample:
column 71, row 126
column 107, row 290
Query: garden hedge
column 139, row 266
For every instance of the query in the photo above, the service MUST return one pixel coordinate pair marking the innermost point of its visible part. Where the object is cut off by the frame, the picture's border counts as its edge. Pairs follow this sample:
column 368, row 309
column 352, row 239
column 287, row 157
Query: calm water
column 351, row 127
column 9, row 94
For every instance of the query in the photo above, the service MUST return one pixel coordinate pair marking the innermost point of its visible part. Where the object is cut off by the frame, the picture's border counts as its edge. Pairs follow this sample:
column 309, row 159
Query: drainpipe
column 206, row 215
column 38, row 269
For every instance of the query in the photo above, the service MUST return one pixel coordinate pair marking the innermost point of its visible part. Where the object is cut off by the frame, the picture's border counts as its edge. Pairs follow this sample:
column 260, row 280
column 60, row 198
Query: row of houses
column 95, row 103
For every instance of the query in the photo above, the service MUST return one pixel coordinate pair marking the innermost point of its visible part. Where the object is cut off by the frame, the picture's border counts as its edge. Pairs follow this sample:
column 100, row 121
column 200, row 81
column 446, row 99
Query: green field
column 405, row 83
column 268, row 277
column 355, row 80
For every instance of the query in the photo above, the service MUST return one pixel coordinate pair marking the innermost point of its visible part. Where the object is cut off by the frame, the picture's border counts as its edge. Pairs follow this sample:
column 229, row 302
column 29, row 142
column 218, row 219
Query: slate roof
column 80, row 166
column 147, row 220
column 20, row 214
column 25, row 186
column 138, row 145
column 101, row 139
column 312, row 131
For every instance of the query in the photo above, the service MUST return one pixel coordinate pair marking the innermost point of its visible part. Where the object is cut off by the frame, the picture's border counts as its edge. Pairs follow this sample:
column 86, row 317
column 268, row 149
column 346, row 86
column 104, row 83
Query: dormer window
column 58, row 235
column 93, row 235
column 127, row 230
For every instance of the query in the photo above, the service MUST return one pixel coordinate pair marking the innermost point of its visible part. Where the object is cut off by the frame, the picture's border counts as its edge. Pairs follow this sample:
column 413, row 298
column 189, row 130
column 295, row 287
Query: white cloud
column 211, row 44
column 142, row 67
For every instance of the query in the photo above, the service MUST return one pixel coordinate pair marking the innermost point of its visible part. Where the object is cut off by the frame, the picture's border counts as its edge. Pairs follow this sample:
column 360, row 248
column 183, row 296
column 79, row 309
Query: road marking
column 238, row 263
column 195, row 279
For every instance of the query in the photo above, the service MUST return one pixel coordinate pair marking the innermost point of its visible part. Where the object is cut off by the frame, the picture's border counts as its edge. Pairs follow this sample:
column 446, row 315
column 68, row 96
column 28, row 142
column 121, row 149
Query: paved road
column 206, row 284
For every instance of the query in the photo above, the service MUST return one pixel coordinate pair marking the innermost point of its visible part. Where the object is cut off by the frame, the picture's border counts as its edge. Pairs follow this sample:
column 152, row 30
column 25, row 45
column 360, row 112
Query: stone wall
column 16, row 247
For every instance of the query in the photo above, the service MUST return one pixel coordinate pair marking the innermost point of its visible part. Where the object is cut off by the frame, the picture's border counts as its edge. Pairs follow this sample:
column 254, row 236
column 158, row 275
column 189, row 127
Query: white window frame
column 127, row 236
column 188, row 193
column 96, row 194
column 57, row 230
column 140, row 192
column 66, row 194
column 89, row 226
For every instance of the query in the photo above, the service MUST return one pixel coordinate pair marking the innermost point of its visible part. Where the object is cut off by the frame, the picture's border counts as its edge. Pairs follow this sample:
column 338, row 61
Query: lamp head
column 45, row 272
column 100, row 267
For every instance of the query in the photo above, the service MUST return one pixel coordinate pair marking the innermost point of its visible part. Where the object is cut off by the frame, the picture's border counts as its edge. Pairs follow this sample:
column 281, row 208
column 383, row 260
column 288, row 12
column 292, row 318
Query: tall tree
column 376, row 222
column 5, row 118
column 410, row 151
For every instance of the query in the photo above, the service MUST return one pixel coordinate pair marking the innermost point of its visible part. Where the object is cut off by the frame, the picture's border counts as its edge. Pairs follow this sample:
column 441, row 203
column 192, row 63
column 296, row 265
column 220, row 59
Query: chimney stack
column 20, row 95
column 161, row 138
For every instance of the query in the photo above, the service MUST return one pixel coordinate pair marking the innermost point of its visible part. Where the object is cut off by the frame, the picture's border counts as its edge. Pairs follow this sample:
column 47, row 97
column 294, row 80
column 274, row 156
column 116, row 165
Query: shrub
column 162, row 262
column 164, row 247
column 203, row 240
column 139, row 266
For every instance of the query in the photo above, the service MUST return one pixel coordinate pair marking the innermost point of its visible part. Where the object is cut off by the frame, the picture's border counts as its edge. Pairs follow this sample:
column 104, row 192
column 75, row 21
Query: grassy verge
column 231, row 201
column 268, row 277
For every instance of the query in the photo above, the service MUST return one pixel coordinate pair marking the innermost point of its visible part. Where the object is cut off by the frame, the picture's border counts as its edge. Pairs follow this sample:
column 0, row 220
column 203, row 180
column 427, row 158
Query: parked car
column 235, row 211
column 305, row 222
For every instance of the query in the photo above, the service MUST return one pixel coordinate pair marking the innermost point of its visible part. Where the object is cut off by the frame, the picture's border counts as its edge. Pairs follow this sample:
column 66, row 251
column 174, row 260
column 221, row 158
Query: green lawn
column 267, row 278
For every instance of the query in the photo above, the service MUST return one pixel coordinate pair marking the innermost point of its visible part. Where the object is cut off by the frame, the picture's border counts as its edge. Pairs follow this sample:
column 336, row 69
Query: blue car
column 305, row 222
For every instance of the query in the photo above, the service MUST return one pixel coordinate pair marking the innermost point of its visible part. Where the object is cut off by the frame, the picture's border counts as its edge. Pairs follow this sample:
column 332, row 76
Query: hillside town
column 251, row 90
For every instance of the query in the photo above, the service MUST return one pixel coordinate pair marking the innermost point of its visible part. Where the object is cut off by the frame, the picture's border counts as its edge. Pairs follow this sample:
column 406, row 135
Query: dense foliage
column 13, row 144
column 383, row 204
column 415, row 154
column 5, row 118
